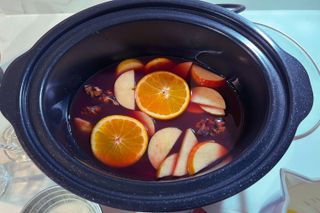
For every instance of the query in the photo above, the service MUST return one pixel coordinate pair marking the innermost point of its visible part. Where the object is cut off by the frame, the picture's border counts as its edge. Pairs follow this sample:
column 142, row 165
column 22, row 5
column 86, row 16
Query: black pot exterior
column 38, row 87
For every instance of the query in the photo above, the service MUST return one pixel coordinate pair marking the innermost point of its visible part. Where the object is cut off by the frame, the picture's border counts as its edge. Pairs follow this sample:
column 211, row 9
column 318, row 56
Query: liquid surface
column 143, row 170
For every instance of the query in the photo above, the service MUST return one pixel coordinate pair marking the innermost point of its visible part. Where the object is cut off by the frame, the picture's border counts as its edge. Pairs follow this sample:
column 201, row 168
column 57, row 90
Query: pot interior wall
column 167, row 38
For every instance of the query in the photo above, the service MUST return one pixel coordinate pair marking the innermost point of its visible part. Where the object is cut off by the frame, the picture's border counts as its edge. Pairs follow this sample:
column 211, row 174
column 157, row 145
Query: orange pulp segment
column 162, row 95
column 119, row 141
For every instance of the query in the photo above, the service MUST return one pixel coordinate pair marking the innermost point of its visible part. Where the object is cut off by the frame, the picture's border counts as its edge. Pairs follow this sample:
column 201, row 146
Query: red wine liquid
column 143, row 170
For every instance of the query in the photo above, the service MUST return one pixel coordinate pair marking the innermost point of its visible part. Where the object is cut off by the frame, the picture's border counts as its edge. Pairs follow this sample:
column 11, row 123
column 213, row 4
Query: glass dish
column 58, row 200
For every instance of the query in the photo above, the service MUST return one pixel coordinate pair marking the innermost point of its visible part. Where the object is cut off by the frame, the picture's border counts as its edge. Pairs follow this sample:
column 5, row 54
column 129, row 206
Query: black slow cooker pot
column 38, row 87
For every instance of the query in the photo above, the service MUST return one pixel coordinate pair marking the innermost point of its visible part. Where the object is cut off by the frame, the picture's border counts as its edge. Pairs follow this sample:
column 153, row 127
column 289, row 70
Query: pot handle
column 10, row 84
column 1, row 72
column 1, row 75
column 301, row 87
column 237, row 8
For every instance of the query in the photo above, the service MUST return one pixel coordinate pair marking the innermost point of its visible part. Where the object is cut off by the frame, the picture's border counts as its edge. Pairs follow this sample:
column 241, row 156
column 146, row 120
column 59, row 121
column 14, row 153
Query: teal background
column 274, row 4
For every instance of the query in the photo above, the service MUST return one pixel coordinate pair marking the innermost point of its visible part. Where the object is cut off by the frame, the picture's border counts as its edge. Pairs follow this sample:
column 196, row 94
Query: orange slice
column 158, row 64
column 129, row 64
column 162, row 95
column 119, row 141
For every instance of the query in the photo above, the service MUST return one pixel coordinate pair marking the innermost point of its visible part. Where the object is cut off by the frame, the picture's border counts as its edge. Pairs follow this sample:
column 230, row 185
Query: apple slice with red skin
column 161, row 143
column 208, row 97
column 83, row 125
column 188, row 142
column 159, row 64
column 206, row 78
column 213, row 110
column 203, row 154
column 183, row 69
column 129, row 64
column 146, row 120
column 124, row 90
column 195, row 108
column 167, row 166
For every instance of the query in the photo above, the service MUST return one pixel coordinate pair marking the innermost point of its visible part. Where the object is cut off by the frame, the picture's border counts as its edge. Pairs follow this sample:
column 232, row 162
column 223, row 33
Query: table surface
column 19, row 32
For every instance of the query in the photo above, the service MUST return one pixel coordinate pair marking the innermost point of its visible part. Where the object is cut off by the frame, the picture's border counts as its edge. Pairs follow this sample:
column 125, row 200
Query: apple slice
column 189, row 141
column 203, row 154
column 83, row 125
column 129, row 64
column 158, row 64
column 195, row 108
column 213, row 110
column 124, row 90
column 167, row 166
column 183, row 69
column 161, row 143
column 207, row 96
column 146, row 120
column 204, row 77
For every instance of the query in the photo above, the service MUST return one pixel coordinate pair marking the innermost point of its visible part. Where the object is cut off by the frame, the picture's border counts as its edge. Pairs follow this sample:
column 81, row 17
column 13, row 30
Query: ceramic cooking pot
column 38, row 87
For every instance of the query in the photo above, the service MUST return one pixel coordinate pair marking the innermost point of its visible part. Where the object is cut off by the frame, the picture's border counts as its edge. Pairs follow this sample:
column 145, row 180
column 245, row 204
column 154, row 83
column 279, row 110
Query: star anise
column 107, row 97
column 91, row 110
column 103, row 96
column 210, row 126
column 92, row 91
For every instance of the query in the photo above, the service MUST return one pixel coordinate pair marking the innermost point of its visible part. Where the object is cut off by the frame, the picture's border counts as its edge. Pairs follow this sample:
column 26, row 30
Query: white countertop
column 19, row 32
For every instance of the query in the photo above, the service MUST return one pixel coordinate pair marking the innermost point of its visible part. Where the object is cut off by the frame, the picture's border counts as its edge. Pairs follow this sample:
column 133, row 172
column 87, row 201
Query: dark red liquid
column 143, row 170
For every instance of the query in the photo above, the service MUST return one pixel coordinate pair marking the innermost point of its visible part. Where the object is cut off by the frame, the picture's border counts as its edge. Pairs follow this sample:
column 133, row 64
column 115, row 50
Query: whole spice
column 108, row 97
column 91, row 110
column 210, row 126
column 92, row 91
column 103, row 96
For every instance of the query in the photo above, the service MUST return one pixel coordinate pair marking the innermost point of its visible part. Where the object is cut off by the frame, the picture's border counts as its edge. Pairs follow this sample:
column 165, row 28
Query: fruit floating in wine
column 156, row 118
